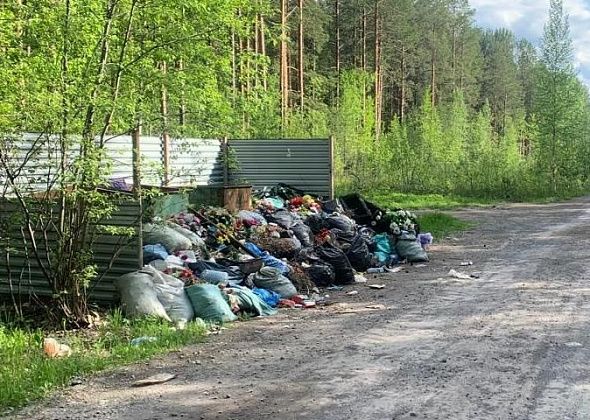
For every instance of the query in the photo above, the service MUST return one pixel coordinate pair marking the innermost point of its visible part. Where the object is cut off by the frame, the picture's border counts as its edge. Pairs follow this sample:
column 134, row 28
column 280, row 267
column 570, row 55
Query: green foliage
column 442, row 225
column 26, row 374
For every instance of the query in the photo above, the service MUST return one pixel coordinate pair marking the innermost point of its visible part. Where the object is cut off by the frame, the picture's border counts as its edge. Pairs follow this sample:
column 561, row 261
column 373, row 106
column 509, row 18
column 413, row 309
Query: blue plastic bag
column 270, row 297
column 269, row 260
column 154, row 252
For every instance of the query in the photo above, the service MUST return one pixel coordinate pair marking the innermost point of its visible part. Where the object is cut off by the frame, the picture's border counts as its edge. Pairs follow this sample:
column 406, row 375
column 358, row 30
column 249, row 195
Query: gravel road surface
column 513, row 343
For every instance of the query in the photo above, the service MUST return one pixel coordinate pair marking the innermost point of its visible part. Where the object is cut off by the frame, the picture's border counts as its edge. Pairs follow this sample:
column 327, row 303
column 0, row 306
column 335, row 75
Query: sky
column 527, row 18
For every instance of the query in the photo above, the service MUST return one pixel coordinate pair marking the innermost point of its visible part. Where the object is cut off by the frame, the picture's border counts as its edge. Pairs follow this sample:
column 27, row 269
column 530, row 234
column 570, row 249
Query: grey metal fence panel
column 120, row 150
column 305, row 164
column 195, row 162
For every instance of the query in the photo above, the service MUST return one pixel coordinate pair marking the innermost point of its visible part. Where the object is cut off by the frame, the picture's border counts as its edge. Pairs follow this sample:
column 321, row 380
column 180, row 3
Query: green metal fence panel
column 302, row 163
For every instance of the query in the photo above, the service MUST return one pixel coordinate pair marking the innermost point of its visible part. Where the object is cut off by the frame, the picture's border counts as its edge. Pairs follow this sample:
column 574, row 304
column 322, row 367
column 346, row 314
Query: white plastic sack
column 171, row 294
column 138, row 295
column 170, row 238
column 190, row 235
column 176, row 303
column 160, row 278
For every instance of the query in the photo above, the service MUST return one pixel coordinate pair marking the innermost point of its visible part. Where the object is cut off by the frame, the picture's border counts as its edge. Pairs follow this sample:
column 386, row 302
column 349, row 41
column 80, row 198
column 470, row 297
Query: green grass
column 426, row 201
column 27, row 374
column 442, row 225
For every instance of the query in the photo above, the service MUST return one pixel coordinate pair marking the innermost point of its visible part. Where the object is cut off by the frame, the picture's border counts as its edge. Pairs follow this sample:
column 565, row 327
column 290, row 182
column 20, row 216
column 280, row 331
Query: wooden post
column 165, row 134
column 331, row 140
column 136, row 144
column 225, row 154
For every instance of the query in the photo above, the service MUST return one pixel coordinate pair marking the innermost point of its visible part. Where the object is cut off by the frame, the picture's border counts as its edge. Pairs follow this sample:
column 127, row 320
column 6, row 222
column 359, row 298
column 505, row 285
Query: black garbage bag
column 316, row 223
column 343, row 239
column 358, row 254
column 368, row 235
column 308, row 255
column 303, row 233
column 332, row 206
column 337, row 259
column 339, row 221
column 322, row 274
column 283, row 218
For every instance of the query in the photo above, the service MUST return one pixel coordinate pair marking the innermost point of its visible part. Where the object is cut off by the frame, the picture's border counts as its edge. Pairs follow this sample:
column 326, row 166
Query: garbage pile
column 211, row 264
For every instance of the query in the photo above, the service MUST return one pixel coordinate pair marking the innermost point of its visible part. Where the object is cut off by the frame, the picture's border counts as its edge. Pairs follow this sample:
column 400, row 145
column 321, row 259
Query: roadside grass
column 389, row 199
column 441, row 224
column 26, row 374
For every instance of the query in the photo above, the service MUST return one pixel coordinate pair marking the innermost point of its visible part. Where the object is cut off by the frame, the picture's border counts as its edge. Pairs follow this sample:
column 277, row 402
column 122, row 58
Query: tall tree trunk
column 364, row 62
column 378, row 76
column 433, row 71
column 263, row 51
column 402, row 90
column 301, row 46
column 337, row 18
column 234, row 66
column 165, row 133
column 284, row 66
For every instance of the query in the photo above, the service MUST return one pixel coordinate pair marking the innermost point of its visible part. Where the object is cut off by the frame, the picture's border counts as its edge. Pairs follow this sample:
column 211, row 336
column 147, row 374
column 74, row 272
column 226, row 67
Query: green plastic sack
column 409, row 249
column 252, row 303
column 209, row 303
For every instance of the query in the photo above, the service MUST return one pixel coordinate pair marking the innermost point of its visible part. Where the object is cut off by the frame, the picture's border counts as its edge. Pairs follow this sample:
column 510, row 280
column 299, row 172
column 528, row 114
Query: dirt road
column 512, row 344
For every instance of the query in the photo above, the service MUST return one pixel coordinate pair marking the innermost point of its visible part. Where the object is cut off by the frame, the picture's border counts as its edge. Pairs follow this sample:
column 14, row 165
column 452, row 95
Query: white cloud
column 527, row 19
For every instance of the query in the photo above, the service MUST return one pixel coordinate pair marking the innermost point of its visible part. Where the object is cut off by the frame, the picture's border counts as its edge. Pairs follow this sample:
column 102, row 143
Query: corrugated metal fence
column 21, row 274
column 303, row 163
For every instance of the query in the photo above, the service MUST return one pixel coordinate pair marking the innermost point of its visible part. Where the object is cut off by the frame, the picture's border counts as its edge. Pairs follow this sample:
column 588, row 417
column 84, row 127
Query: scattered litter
column 466, row 263
column 573, row 344
column 459, row 275
column 155, row 380
column 420, row 266
column 359, row 278
column 335, row 288
column 394, row 270
column 375, row 306
column 145, row 339
column 53, row 349
column 353, row 293
column 376, row 286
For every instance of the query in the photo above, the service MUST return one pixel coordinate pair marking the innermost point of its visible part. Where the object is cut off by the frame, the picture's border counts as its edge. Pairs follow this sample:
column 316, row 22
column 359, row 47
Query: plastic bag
column 190, row 235
column 408, row 248
column 154, row 252
column 175, row 302
column 315, row 222
column 303, row 233
column 270, row 297
column 321, row 274
column 234, row 274
column 268, row 259
column 250, row 302
column 270, row 278
column 358, row 254
column 209, row 303
column 252, row 218
column 283, row 218
column 171, row 239
column 337, row 259
column 383, row 248
column 139, row 296
column 340, row 221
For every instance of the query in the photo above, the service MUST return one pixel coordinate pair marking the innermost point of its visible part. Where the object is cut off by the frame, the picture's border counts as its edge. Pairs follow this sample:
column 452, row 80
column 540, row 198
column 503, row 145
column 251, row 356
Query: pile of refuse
column 211, row 264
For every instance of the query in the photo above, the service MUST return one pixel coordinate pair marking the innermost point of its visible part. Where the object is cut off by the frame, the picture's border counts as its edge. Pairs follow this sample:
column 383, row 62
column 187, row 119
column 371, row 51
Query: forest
column 418, row 98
